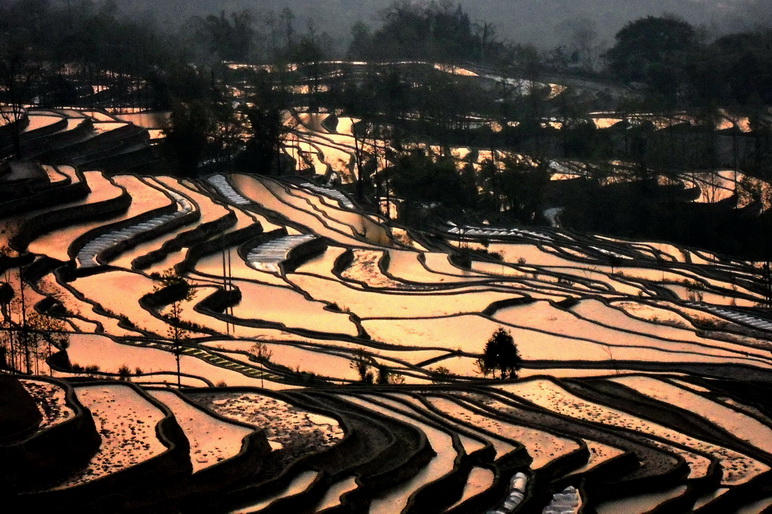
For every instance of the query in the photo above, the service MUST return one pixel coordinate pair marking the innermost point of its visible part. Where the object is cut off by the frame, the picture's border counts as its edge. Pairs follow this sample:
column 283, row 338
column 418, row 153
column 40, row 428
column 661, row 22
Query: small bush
column 261, row 352
column 441, row 374
column 361, row 363
column 124, row 373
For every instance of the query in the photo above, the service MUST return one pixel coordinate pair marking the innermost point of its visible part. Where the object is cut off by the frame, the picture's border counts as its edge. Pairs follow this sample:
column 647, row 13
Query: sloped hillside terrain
column 244, row 343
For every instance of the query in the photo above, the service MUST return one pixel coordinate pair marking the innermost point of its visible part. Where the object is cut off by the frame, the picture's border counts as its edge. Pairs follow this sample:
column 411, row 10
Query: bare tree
column 286, row 17
column 176, row 331
column 359, row 131
column 583, row 42
column 486, row 34
column 262, row 354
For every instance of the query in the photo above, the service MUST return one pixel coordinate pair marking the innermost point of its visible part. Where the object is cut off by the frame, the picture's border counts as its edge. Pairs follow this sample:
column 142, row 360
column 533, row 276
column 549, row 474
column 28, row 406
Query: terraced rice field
column 644, row 388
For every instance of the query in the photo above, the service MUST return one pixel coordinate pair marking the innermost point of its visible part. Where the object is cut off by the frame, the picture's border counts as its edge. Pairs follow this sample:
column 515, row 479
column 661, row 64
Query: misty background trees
column 128, row 61
column 526, row 21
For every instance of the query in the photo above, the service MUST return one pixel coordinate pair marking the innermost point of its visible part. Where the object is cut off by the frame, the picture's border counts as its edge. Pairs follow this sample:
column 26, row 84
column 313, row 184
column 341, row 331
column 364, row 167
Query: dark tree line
column 83, row 42
column 433, row 187
column 679, row 69
column 439, row 31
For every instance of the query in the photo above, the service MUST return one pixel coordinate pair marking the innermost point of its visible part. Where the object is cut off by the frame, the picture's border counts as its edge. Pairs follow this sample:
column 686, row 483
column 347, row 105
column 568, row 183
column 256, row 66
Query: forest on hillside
column 679, row 62
column 228, row 79
column 544, row 23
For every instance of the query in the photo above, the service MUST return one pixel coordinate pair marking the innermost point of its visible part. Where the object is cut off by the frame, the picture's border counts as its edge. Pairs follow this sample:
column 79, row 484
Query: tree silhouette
column 190, row 127
column 266, row 128
column 655, row 51
column 501, row 354
column 230, row 39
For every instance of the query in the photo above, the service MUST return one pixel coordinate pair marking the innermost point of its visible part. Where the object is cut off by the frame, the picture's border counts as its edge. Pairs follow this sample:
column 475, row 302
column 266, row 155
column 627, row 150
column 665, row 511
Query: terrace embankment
column 643, row 383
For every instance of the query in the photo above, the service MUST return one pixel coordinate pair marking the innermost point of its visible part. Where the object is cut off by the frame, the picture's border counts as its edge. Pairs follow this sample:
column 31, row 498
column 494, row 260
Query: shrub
column 261, row 352
column 441, row 374
column 387, row 376
column 124, row 373
column 361, row 363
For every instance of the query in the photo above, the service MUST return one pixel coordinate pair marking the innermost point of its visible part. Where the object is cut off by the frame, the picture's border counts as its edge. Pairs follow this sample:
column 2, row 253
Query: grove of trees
column 28, row 335
column 679, row 68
